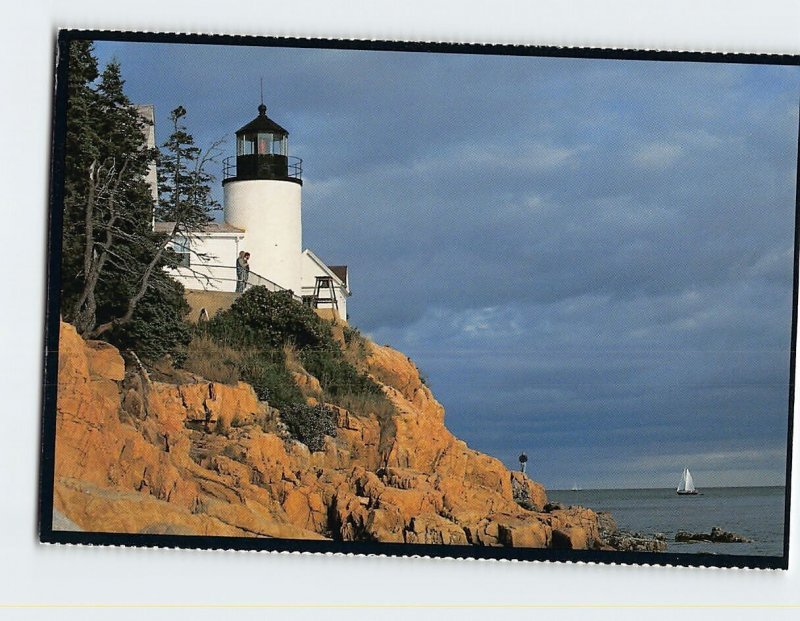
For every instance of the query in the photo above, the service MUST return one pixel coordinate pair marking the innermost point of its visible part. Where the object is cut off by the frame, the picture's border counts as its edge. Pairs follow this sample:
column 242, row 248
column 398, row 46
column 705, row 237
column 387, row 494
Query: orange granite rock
column 135, row 455
column 105, row 361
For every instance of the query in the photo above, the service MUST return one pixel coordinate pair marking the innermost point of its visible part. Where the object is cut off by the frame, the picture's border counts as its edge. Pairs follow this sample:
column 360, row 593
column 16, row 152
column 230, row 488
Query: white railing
column 214, row 277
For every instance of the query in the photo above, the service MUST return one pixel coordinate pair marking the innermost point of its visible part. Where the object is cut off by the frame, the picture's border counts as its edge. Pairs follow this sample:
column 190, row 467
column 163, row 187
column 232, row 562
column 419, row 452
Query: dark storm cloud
column 600, row 376
column 591, row 259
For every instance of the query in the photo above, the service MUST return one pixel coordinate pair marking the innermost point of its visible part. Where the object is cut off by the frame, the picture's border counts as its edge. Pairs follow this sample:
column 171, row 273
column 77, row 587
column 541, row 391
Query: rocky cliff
column 135, row 455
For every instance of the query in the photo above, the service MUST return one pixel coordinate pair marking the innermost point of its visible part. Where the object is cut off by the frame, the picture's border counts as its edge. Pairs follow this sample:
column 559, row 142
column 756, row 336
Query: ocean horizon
column 754, row 512
column 616, row 489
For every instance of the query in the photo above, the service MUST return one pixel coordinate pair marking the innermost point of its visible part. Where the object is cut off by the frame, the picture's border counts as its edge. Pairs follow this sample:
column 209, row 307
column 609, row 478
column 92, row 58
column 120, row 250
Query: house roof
column 340, row 271
column 211, row 227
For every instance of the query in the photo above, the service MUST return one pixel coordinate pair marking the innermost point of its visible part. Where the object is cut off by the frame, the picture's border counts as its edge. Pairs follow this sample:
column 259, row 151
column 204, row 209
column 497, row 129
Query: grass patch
column 291, row 358
column 212, row 360
column 367, row 405
column 355, row 348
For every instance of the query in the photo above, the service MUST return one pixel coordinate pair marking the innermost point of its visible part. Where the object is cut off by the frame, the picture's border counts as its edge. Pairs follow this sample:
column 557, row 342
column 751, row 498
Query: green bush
column 157, row 328
column 264, row 323
column 266, row 319
column 271, row 381
column 310, row 424
column 336, row 376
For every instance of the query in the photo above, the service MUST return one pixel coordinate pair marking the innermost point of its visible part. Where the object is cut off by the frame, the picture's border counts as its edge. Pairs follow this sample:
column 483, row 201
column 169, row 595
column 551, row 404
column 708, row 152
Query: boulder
column 432, row 528
column 625, row 541
column 570, row 538
column 105, row 361
column 526, row 493
column 521, row 532
column 307, row 383
column 304, row 508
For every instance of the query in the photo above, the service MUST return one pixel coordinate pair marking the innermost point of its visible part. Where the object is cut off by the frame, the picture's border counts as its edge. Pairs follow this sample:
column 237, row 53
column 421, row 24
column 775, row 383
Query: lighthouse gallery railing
column 295, row 167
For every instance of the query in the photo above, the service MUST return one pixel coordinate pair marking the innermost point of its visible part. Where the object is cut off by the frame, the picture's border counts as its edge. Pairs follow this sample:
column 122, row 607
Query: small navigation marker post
column 523, row 459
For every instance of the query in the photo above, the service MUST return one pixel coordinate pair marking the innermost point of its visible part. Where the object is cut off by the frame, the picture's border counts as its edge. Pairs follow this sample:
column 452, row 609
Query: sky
column 589, row 260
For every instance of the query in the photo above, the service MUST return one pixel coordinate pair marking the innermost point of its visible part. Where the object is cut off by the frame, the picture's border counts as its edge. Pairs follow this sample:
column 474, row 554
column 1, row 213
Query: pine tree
column 113, row 283
column 80, row 151
column 185, row 184
column 107, row 200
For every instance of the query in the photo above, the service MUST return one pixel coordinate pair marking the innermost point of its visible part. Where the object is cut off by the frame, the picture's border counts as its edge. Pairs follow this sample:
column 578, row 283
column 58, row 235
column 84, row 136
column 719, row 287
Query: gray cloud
column 591, row 259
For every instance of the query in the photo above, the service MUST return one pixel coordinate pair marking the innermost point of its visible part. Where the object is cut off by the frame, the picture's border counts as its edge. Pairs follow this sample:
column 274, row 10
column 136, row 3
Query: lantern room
column 262, row 152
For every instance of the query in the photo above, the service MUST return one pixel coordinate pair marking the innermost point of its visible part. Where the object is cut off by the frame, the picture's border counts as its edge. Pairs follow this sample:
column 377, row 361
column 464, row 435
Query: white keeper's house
column 262, row 215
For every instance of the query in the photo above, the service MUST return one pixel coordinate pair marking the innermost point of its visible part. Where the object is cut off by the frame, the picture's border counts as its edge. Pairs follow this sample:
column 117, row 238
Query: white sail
column 687, row 483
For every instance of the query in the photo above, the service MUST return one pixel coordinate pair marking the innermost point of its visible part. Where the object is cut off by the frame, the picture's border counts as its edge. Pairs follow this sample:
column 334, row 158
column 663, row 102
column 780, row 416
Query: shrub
column 157, row 328
column 267, row 319
column 309, row 424
column 271, row 381
column 335, row 374
column 278, row 332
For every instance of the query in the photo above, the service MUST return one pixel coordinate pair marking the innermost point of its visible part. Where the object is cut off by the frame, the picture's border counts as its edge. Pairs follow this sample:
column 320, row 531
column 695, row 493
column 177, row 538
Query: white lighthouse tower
column 262, row 196
column 262, row 189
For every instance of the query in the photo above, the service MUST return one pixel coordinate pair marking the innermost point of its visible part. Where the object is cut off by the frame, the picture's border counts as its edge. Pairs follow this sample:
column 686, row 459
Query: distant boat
column 575, row 487
column 686, row 487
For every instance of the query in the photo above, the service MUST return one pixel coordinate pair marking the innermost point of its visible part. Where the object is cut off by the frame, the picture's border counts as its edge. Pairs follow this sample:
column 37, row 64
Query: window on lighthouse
column 279, row 144
column 246, row 145
column 264, row 144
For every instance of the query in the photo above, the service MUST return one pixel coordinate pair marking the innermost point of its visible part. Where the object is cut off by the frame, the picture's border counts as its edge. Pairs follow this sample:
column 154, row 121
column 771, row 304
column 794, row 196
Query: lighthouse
column 262, row 215
column 262, row 196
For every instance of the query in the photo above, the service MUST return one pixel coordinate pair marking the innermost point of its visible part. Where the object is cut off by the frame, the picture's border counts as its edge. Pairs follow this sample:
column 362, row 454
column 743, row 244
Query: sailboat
column 686, row 486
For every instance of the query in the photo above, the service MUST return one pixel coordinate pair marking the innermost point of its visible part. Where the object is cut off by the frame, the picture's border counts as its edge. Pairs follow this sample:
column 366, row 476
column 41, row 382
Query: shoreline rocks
column 717, row 535
column 628, row 541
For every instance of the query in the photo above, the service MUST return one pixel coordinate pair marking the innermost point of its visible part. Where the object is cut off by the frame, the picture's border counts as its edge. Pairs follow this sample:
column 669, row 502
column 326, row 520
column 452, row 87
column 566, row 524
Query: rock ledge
column 717, row 535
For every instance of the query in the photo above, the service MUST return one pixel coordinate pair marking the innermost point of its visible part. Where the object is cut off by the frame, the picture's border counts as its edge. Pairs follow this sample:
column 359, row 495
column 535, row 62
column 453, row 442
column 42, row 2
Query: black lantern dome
column 262, row 152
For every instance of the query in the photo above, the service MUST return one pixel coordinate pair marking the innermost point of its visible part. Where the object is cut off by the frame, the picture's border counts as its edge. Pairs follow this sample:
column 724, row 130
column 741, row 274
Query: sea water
column 754, row 512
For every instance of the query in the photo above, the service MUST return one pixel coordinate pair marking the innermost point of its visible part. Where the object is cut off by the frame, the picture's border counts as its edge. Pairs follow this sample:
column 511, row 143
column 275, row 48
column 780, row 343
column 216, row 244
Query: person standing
column 245, row 270
column 239, row 272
